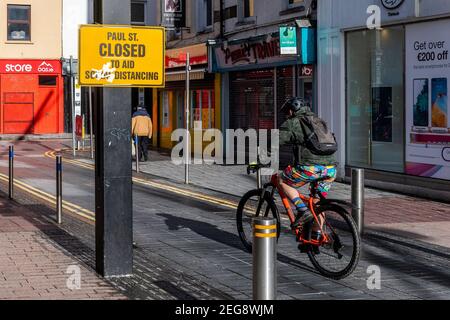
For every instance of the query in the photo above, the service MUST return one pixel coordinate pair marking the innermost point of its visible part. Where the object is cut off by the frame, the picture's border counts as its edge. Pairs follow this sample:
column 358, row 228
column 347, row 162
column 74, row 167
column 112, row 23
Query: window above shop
column 204, row 16
column 248, row 8
column 138, row 10
column 19, row 21
column 294, row 3
column 246, row 12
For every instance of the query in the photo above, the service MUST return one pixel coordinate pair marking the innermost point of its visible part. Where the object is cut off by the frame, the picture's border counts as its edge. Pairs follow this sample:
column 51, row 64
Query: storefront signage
column 251, row 53
column 308, row 45
column 121, row 56
column 427, row 110
column 172, row 13
column 306, row 71
column 392, row 4
column 180, row 61
column 30, row 66
column 288, row 40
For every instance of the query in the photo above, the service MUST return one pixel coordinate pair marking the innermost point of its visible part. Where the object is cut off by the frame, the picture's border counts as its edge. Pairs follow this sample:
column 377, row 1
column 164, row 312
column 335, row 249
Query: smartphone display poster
column 427, row 86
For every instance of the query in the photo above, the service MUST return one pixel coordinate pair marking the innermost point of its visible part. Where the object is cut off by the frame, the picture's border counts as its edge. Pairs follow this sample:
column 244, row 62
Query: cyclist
column 308, row 167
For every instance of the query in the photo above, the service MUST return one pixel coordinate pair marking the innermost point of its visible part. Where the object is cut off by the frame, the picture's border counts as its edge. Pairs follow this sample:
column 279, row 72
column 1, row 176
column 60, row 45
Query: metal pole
column 72, row 105
column 264, row 258
column 188, row 103
column 91, row 124
column 11, row 172
column 82, row 132
column 358, row 198
column 58, row 188
column 258, row 173
column 136, row 142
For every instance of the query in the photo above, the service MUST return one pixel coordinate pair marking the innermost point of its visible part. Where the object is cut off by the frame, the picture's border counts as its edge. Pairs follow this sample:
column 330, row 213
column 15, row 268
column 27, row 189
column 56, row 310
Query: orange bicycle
column 334, row 251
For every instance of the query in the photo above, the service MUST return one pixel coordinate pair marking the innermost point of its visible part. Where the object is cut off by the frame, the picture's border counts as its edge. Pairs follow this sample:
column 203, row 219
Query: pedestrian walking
column 142, row 127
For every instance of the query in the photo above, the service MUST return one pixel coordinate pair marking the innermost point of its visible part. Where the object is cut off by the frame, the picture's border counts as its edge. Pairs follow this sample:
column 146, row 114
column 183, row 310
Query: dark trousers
column 144, row 142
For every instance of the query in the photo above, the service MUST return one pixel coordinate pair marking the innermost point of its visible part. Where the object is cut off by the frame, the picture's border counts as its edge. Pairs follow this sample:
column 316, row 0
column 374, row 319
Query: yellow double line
column 160, row 186
column 51, row 199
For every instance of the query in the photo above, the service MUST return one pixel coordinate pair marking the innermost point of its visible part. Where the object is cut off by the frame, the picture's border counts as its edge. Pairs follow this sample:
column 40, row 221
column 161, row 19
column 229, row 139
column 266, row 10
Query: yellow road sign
column 121, row 56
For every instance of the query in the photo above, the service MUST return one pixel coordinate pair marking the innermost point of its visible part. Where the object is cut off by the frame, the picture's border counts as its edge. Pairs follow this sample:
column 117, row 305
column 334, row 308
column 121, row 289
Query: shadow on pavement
column 408, row 263
column 212, row 232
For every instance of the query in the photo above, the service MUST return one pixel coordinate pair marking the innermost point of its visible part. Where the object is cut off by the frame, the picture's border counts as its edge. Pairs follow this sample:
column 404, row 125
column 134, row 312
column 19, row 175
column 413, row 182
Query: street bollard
column 11, row 172
column 358, row 198
column 136, row 142
column 58, row 188
column 264, row 258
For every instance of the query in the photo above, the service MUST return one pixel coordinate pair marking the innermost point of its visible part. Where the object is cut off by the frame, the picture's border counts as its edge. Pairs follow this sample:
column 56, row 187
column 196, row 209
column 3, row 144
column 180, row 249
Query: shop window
column 375, row 99
column 202, row 109
column 165, row 110
column 48, row 81
column 138, row 9
column 19, row 21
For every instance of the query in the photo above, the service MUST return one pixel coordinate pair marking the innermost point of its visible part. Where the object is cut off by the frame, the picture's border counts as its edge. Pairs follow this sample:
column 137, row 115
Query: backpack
column 317, row 137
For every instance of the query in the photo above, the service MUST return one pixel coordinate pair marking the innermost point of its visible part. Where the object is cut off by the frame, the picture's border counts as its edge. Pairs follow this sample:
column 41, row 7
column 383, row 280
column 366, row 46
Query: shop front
column 31, row 97
column 170, row 102
column 393, row 117
column 260, row 81
column 397, row 102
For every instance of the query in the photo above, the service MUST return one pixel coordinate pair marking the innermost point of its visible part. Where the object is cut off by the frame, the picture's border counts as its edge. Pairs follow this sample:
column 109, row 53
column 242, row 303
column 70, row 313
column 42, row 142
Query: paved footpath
column 34, row 266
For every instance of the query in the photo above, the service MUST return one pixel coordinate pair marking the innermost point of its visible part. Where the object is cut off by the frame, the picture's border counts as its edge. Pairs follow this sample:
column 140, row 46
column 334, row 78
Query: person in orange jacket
column 142, row 127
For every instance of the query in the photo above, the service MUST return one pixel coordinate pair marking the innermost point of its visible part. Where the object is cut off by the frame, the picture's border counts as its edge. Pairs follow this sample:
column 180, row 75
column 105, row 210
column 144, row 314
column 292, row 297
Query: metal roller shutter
column 252, row 100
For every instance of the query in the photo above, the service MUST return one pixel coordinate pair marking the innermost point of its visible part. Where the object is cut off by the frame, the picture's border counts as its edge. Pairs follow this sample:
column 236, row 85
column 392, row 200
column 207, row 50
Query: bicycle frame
column 286, row 203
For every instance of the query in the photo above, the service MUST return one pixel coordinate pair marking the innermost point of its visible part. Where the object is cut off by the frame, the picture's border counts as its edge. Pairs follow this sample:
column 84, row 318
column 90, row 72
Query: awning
column 195, row 74
column 176, row 58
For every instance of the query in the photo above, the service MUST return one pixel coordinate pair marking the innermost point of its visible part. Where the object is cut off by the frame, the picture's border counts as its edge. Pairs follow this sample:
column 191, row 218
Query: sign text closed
column 122, row 56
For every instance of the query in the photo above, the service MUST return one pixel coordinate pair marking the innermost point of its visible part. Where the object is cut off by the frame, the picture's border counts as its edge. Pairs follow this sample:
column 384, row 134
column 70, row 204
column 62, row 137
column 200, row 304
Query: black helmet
column 294, row 104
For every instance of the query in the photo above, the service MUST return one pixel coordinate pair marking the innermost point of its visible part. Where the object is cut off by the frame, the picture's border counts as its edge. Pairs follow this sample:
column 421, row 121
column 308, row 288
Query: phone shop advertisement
column 427, row 111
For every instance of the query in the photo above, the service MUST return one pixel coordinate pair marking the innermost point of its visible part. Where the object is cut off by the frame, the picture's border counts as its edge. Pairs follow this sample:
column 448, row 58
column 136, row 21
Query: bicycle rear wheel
column 248, row 209
column 338, row 257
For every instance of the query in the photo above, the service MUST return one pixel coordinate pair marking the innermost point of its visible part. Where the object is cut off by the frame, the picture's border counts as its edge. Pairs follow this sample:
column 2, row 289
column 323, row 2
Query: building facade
column 256, row 77
column 31, row 85
column 189, row 27
column 384, row 90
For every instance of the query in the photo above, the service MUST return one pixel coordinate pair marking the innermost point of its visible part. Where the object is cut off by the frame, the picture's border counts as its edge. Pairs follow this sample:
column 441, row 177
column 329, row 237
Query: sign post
column 72, row 104
column 120, row 56
column 114, row 58
column 188, row 103
column 91, row 124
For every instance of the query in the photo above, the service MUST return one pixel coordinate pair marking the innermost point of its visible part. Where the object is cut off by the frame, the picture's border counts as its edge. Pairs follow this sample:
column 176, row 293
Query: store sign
column 30, row 66
column 121, row 56
column 427, row 110
column 172, row 13
column 263, row 52
column 392, row 4
column 309, row 38
column 180, row 61
column 288, row 40
column 306, row 71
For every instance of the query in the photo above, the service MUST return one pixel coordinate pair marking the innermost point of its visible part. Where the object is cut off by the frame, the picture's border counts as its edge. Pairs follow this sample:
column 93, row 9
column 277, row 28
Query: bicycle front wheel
column 248, row 209
column 337, row 257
